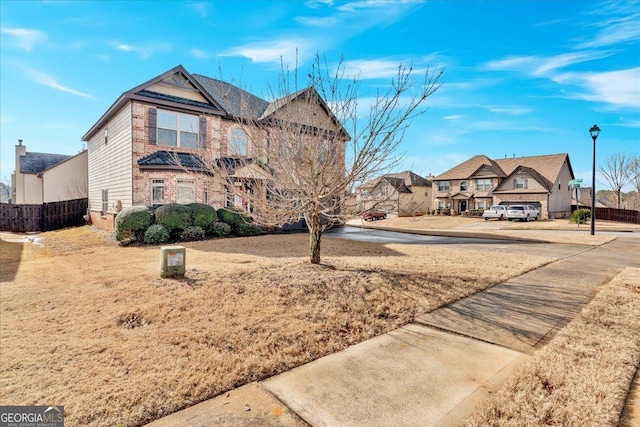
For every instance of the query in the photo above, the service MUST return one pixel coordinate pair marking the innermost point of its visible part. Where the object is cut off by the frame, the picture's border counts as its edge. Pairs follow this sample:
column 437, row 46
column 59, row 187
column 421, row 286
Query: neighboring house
column 404, row 193
column 541, row 181
column 162, row 141
column 43, row 178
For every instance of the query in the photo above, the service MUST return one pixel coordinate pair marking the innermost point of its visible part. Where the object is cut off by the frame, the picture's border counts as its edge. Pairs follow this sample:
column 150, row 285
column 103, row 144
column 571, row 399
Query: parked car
column 522, row 212
column 497, row 211
column 374, row 215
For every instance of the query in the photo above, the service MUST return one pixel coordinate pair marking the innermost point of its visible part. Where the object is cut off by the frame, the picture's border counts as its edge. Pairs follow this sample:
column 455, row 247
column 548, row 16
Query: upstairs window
column 520, row 182
column 178, row 129
column 444, row 185
column 483, row 184
column 463, row 186
column 238, row 143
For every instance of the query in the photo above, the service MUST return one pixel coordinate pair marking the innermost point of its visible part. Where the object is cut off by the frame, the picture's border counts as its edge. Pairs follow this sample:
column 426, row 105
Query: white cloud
column 145, row 51
column 287, row 51
column 616, row 31
column 553, row 63
column 454, row 117
column 512, row 110
column 544, row 65
column 619, row 89
column 49, row 81
column 25, row 38
column 371, row 69
column 199, row 54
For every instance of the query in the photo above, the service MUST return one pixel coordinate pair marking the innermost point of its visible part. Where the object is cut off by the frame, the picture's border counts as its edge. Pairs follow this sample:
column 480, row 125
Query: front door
column 462, row 206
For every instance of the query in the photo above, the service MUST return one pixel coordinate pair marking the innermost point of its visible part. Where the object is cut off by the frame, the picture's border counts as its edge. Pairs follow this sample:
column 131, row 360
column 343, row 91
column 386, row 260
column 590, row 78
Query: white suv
column 522, row 212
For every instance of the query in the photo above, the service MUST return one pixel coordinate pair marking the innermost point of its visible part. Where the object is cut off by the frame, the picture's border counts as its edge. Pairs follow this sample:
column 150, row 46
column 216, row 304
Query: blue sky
column 521, row 77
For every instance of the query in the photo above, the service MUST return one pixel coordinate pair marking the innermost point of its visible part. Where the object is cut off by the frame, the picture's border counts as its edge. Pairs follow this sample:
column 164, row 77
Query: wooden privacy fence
column 621, row 215
column 45, row 217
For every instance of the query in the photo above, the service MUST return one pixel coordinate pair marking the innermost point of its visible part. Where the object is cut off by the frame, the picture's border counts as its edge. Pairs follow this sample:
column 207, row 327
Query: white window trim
column 178, row 130
column 232, row 145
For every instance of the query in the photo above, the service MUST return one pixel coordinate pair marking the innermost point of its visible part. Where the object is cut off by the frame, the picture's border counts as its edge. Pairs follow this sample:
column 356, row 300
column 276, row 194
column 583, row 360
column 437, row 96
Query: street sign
column 575, row 185
column 575, row 181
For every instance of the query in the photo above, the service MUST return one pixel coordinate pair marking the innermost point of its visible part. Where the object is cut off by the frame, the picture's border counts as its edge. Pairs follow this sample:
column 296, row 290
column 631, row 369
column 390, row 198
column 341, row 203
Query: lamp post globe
column 594, row 131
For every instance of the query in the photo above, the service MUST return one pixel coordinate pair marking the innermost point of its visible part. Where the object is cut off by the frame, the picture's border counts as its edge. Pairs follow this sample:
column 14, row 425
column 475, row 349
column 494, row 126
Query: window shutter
column 515, row 183
column 526, row 183
column 203, row 133
column 153, row 125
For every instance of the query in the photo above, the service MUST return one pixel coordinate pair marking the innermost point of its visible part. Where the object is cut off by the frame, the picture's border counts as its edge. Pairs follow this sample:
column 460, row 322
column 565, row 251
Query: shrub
column 580, row 216
column 132, row 222
column 233, row 217
column 203, row 215
column 174, row 218
column 156, row 234
column 220, row 229
column 247, row 230
column 192, row 233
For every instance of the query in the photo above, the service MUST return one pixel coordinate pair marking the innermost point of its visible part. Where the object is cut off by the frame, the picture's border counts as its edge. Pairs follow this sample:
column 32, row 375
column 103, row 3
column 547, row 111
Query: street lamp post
column 594, row 131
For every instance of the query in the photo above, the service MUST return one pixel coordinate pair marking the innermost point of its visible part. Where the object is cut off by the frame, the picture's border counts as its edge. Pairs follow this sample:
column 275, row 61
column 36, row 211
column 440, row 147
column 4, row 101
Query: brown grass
column 92, row 326
column 581, row 378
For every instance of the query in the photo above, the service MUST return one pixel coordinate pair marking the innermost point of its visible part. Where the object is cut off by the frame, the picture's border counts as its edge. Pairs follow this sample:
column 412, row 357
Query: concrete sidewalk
column 432, row 372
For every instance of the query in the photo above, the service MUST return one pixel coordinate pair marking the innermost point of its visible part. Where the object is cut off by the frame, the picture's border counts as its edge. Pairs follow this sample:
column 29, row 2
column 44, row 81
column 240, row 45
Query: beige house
column 476, row 184
column 43, row 177
column 162, row 141
column 404, row 194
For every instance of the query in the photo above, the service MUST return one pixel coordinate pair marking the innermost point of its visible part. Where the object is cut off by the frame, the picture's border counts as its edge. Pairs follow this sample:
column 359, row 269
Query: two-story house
column 162, row 142
column 404, row 193
column 541, row 181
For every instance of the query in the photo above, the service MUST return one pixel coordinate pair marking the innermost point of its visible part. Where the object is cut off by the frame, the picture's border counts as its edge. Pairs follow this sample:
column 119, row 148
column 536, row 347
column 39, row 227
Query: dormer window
column 238, row 146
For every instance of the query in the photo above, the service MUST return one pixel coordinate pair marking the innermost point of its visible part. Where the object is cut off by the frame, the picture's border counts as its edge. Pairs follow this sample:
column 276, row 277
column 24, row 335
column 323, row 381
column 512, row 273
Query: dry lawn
column 92, row 326
column 581, row 378
column 552, row 231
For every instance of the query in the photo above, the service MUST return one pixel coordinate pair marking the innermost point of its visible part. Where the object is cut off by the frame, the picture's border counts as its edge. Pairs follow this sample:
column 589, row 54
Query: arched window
column 238, row 142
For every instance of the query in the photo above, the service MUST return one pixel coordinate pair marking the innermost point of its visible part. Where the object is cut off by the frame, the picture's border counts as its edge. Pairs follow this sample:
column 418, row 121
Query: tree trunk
column 315, row 234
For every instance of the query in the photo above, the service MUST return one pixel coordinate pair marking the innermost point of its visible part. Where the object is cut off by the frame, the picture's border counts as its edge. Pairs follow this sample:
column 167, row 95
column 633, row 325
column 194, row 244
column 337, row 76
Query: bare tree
column 635, row 172
column 617, row 171
column 323, row 140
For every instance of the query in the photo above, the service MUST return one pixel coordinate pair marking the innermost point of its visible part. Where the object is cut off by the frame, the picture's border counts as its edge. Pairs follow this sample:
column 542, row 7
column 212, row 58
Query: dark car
column 373, row 215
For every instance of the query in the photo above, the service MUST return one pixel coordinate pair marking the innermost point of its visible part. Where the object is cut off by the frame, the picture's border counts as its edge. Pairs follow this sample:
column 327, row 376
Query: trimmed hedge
column 220, row 229
column 245, row 230
column 203, row 215
column 174, row 217
column 192, row 233
column 156, row 234
column 132, row 222
column 233, row 217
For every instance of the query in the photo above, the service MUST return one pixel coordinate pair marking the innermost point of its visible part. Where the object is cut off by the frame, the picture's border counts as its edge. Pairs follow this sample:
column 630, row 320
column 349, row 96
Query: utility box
column 172, row 261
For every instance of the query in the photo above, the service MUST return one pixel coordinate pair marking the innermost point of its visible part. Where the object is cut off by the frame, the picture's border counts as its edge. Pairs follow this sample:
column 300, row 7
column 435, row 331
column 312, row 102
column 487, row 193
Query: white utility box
column 172, row 261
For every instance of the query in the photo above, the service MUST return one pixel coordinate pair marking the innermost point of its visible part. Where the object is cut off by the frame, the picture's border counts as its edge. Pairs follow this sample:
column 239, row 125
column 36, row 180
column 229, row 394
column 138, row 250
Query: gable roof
column 236, row 101
column 411, row 179
column 37, row 162
column 468, row 168
column 397, row 184
column 548, row 166
column 222, row 99
column 177, row 76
